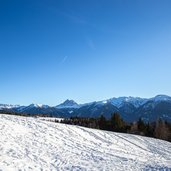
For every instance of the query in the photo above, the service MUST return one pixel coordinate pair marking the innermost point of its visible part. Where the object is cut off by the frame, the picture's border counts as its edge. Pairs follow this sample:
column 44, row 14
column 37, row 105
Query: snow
column 159, row 98
column 8, row 106
column 68, row 104
column 33, row 144
column 50, row 119
column 135, row 101
column 104, row 102
column 71, row 104
column 68, row 107
column 38, row 106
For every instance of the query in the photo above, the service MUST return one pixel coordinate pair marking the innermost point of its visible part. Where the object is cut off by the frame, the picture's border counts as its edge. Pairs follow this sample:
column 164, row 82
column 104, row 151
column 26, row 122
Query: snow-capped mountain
column 68, row 104
column 8, row 106
column 38, row 106
column 30, row 107
column 160, row 98
column 135, row 101
column 130, row 108
column 34, row 144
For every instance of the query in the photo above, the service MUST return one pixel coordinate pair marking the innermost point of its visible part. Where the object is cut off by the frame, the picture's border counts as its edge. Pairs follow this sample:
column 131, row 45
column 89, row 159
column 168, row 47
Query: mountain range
column 130, row 108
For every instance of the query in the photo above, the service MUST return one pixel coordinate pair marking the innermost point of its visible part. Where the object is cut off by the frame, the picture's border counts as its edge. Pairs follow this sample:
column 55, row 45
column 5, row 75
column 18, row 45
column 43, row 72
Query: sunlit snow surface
column 34, row 144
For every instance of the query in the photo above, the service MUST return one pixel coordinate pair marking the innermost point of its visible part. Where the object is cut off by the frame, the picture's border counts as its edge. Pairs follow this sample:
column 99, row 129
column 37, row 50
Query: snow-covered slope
column 33, row 144
column 135, row 101
column 160, row 98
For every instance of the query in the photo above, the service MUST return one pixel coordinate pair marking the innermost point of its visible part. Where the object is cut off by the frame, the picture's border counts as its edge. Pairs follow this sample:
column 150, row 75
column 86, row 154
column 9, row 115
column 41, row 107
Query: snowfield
column 32, row 144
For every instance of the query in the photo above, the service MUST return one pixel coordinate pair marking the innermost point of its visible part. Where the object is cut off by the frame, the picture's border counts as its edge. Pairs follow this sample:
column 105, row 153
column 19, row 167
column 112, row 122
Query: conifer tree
column 102, row 123
column 117, row 124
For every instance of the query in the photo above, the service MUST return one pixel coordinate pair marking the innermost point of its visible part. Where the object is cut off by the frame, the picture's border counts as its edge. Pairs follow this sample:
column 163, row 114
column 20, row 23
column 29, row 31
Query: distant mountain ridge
column 130, row 108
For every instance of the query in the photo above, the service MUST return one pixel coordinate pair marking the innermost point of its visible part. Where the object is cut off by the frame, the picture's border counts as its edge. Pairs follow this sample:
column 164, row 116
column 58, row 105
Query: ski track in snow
column 33, row 144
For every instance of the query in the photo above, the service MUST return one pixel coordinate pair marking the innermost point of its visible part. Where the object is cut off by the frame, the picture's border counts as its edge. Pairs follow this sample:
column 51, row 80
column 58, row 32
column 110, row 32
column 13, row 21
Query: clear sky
column 85, row 50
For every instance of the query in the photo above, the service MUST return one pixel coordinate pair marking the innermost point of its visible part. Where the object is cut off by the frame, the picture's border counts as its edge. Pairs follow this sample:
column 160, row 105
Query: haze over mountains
column 130, row 108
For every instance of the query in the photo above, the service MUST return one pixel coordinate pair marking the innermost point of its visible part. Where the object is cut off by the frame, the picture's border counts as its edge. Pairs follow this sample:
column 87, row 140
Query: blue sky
column 86, row 50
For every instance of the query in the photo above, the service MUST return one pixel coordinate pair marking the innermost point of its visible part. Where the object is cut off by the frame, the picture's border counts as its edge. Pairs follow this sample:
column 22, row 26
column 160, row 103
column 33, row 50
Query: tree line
column 159, row 129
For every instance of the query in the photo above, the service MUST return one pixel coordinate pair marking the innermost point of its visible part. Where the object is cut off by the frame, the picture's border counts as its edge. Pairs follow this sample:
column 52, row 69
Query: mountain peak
column 161, row 97
column 37, row 105
column 68, row 104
